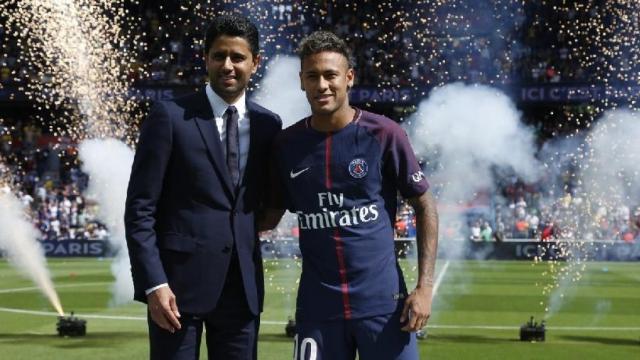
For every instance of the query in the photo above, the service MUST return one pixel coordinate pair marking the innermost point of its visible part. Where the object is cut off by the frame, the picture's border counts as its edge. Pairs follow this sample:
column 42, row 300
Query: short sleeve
column 403, row 165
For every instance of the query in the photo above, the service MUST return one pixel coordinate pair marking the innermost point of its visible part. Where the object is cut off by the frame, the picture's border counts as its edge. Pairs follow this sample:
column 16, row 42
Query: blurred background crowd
column 534, row 50
column 391, row 49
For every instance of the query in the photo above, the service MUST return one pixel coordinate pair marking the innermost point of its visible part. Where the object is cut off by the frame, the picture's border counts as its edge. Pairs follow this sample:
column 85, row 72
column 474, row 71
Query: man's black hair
column 232, row 25
column 320, row 41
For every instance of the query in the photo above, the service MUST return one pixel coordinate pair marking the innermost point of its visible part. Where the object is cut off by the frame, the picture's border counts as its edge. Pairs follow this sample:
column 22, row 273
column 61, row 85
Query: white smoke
column 280, row 90
column 474, row 127
column 18, row 241
column 108, row 164
column 465, row 130
column 614, row 168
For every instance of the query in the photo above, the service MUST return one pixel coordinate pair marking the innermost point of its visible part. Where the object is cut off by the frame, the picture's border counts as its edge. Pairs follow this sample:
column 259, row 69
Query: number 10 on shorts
column 308, row 345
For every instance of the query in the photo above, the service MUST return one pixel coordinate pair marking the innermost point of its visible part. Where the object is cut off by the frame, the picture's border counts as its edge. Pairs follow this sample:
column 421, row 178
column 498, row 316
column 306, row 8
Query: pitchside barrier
column 509, row 249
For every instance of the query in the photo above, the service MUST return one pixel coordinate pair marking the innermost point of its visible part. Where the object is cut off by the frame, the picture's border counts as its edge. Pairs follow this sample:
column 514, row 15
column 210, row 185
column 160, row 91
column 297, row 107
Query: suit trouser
column 231, row 329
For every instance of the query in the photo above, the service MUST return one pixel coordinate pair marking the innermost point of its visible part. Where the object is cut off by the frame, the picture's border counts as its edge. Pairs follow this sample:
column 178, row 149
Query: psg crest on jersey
column 358, row 168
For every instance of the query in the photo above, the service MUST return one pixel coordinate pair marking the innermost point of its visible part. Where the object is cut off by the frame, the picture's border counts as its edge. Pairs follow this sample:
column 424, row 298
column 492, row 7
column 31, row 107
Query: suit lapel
column 206, row 123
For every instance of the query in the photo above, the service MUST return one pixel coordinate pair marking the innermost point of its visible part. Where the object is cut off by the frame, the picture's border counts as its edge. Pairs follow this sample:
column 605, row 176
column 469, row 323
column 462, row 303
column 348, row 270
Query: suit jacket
column 183, row 215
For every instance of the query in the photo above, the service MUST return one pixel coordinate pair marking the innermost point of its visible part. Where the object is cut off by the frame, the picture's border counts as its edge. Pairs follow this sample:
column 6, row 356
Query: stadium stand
column 534, row 52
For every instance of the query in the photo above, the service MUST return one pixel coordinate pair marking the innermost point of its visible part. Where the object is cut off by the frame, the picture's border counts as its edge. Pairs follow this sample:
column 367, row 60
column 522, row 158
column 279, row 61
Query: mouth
column 323, row 99
column 228, row 80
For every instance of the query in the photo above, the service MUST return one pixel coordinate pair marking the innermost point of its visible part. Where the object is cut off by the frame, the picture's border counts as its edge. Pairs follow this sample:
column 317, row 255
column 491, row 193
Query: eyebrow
column 328, row 71
column 230, row 53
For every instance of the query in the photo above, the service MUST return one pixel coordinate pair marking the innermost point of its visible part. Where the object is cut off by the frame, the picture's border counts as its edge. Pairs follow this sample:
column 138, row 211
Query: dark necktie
column 233, row 144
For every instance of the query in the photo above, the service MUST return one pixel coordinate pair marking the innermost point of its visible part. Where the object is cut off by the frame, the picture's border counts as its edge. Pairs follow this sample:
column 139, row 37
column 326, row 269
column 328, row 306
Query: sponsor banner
column 75, row 248
column 568, row 93
column 361, row 95
column 597, row 251
column 159, row 93
column 560, row 93
column 528, row 249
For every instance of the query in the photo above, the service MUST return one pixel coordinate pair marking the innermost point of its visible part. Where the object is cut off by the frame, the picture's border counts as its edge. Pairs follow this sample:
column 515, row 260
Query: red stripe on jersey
column 327, row 162
column 342, row 268
column 344, row 283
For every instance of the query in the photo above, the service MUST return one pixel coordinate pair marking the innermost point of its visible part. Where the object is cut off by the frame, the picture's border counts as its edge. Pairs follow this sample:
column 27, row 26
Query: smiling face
column 230, row 65
column 326, row 79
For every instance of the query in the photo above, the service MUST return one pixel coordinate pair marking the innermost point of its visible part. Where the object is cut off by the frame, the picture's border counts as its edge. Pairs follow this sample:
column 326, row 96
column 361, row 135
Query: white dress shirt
column 219, row 107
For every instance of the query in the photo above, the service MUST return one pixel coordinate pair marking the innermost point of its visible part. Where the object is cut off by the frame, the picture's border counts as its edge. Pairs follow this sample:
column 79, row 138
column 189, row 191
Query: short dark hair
column 232, row 25
column 320, row 41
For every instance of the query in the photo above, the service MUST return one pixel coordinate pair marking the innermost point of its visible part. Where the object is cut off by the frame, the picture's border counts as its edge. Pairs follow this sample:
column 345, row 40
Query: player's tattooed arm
column 417, row 307
column 426, row 212
column 269, row 219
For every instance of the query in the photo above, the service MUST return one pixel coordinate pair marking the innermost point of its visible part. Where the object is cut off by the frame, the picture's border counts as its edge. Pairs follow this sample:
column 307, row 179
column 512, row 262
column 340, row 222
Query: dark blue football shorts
column 373, row 338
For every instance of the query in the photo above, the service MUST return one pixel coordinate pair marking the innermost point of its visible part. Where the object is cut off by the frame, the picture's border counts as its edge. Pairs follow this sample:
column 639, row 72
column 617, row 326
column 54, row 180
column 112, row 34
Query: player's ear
column 351, row 75
column 255, row 62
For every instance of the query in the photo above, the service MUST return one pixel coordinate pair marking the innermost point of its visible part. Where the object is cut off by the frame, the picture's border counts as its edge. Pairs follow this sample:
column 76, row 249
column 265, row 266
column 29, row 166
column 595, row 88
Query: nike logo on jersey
column 295, row 174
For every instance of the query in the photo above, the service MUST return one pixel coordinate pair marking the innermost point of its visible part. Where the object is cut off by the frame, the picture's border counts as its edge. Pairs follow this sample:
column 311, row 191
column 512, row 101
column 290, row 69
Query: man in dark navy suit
column 196, row 186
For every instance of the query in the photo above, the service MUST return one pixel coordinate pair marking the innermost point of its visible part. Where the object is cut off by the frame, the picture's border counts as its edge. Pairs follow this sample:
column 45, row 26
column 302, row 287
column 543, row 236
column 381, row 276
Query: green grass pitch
column 476, row 314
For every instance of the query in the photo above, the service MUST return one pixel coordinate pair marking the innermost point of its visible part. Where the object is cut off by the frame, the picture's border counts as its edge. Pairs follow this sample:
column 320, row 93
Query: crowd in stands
column 481, row 45
column 540, row 212
column 49, row 183
column 520, row 210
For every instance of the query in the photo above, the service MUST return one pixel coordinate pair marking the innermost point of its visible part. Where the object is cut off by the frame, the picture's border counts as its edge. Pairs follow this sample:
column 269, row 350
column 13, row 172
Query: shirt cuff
column 150, row 290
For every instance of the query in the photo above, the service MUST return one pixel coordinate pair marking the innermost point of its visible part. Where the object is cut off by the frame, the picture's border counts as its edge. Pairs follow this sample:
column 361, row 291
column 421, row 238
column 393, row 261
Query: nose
column 227, row 64
column 323, row 84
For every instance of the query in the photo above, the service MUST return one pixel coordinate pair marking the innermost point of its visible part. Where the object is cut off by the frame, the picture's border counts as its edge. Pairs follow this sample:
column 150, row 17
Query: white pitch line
column 88, row 316
column 32, row 288
column 439, row 278
column 271, row 322
column 104, row 317
column 550, row 328
column 508, row 327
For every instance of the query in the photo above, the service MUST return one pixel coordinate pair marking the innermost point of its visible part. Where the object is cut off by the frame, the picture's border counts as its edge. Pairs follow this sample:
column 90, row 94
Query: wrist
column 427, row 284
column 154, row 289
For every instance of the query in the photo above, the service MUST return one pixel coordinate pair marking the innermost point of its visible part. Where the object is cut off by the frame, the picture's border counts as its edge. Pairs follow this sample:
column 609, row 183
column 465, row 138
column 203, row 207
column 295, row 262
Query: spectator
column 475, row 232
column 486, row 233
